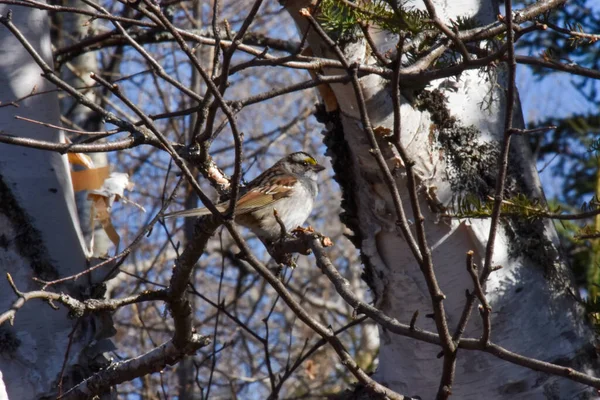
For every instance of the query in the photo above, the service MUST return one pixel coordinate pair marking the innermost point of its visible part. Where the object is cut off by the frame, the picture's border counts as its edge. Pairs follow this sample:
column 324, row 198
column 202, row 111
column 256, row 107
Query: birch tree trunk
column 39, row 230
column 452, row 130
column 69, row 29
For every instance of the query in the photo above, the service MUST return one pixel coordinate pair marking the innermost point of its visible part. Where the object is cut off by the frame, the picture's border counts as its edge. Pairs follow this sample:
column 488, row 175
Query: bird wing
column 263, row 196
column 255, row 199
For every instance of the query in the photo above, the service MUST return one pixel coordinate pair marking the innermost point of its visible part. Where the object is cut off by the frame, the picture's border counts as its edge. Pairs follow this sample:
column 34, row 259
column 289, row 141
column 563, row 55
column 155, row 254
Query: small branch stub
column 413, row 320
column 305, row 12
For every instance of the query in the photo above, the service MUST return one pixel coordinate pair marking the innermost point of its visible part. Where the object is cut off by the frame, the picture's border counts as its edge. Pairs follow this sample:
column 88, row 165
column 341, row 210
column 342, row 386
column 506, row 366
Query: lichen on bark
column 473, row 164
column 473, row 170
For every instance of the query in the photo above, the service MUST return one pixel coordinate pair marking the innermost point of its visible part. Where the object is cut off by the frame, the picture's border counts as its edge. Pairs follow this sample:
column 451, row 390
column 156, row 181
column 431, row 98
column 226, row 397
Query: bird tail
column 194, row 212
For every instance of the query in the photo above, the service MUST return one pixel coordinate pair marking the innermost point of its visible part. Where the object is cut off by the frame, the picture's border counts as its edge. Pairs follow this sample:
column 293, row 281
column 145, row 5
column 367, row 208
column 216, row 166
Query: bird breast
column 292, row 210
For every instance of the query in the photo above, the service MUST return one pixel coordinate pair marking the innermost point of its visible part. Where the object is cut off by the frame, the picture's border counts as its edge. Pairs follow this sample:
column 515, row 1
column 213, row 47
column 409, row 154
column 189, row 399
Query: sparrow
column 289, row 188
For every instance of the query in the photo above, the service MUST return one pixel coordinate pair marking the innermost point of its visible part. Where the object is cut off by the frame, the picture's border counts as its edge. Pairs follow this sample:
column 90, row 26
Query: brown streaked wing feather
column 284, row 185
column 257, row 198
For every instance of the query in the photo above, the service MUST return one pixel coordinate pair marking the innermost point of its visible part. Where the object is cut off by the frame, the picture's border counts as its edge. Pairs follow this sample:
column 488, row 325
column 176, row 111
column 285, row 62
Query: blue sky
column 553, row 95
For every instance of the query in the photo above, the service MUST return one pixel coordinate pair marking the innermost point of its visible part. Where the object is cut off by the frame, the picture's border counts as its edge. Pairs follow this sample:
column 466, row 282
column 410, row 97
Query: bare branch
column 77, row 307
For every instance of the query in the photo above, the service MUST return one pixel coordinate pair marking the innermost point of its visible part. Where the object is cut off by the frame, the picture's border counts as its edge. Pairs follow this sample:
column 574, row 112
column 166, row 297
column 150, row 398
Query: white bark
column 72, row 28
column 533, row 313
column 39, row 230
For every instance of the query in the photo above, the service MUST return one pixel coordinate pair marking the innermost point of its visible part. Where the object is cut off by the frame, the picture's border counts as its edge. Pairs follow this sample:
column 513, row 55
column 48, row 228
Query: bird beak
column 318, row 168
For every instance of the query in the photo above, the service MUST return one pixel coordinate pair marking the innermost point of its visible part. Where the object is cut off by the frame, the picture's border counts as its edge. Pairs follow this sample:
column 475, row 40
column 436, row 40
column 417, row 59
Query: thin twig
column 446, row 31
column 478, row 291
column 591, row 37
column 79, row 131
column 365, row 30
column 216, row 329
column 66, row 357
column 505, row 145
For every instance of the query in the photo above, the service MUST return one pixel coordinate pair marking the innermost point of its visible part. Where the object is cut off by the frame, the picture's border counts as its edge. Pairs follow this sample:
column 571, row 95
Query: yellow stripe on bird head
column 310, row 160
